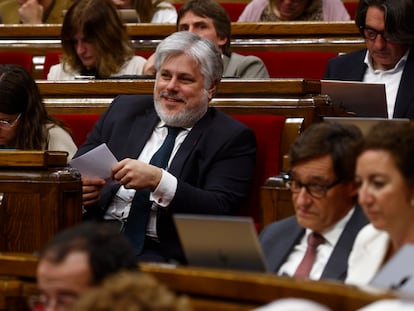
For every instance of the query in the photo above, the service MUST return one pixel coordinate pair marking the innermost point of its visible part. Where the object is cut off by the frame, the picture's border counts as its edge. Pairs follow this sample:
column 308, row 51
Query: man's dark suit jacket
column 279, row 239
column 351, row 67
column 214, row 165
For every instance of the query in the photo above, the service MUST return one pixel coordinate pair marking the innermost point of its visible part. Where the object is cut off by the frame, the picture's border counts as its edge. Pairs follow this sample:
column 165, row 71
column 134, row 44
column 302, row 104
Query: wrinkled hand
column 31, row 12
column 135, row 174
column 91, row 189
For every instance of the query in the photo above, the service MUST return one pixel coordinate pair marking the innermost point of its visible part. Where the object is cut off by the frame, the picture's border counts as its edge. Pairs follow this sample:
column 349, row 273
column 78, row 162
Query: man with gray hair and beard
column 210, row 160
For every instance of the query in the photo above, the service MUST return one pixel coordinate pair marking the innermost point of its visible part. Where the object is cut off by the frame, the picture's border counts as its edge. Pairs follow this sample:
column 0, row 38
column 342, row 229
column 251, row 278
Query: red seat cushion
column 79, row 124
column 351, row 8
column 294, row 64
column 268, row 130
column 17, row 58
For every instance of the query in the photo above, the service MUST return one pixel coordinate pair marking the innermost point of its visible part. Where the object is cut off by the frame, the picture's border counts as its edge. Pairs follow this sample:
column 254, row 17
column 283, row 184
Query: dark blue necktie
column 136, row 225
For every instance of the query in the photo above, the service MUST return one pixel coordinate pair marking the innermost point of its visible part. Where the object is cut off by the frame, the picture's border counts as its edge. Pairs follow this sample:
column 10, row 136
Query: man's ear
column 212, row 90
column 221, row 41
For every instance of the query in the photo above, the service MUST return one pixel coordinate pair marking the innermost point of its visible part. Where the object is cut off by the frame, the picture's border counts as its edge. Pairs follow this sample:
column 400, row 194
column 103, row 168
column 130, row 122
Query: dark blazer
column 351, row 67
column 279, row 239
column 214, row 165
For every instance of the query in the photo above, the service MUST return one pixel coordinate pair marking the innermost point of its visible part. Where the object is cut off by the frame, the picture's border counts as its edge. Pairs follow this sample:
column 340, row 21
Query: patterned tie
column 135, row 227
column 305, row 266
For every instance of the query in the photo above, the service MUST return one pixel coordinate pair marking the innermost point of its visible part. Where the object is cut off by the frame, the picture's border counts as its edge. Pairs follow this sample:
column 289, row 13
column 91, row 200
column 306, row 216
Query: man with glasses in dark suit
column 388, row 29
column 321, row 178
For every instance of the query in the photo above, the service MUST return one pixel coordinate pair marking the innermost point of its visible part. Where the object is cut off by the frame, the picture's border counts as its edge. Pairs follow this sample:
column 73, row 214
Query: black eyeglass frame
column 386, row 37
column 314, row 190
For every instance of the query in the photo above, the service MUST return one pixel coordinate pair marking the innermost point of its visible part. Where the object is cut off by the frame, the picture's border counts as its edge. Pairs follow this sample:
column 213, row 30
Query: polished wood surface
column 210, row 289
column 288, row 97
column 244, row 290
column 32, row 158
column 36, row 201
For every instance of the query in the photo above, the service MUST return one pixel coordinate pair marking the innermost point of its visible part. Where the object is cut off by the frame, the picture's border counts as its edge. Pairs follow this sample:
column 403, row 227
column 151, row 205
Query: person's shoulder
column 369, row 234
column 165, row 5
column 135, row 102
column 137, row 60
column 284, row 224
column 244, row 58
column 246, row 66
column 353, row 56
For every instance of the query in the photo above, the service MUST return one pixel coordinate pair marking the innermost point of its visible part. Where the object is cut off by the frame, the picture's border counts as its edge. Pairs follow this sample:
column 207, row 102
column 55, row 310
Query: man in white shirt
column 321, row 178
column 387, row 27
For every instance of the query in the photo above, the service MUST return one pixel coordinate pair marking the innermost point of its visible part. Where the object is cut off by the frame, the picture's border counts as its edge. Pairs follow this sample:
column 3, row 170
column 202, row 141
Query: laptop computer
column 227, row 242
column 398, row 272
column 363, row 99
column 364, row 124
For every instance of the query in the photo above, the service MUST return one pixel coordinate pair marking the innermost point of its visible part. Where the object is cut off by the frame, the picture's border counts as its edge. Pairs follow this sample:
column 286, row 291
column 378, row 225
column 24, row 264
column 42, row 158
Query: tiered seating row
column 262, row 39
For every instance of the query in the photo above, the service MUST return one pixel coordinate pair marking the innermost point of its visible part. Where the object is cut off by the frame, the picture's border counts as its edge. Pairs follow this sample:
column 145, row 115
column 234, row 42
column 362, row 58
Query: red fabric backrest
column 268, row 130
column 17, row 58
column 297, row 64
column 234, row 9
column 351, row 8
column 51, row 58
column 79, row 124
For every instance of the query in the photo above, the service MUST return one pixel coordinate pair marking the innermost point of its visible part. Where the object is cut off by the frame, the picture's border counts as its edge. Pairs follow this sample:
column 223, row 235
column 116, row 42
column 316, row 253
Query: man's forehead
column 195, row 18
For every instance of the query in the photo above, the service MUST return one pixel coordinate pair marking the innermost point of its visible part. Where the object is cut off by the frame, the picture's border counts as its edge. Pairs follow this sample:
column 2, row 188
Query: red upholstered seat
column 268, row 130
column 234, row 9
column 295, row 64
column 351, row 8
column 79, row 124
column 17, row 58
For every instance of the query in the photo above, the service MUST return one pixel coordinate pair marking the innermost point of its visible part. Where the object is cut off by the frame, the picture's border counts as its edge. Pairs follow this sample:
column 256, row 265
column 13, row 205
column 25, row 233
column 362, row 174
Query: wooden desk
column 213, row 289
column 288, row 97
column 39, row 196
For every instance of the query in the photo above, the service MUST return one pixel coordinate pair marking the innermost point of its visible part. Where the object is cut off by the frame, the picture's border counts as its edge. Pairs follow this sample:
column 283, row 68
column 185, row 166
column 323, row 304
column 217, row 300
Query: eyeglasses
column 371, row 33
column 315, row 190
column 7, row 124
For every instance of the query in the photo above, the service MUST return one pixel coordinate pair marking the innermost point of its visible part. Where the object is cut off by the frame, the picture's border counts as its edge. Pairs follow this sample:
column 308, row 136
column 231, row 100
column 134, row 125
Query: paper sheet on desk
column 95, row 163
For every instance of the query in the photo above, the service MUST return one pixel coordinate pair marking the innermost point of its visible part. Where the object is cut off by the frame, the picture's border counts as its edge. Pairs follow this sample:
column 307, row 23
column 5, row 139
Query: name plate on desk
column 32, row 158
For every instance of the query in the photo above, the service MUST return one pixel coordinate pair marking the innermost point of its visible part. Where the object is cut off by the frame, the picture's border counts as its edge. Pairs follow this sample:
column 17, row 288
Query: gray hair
column 203, row 51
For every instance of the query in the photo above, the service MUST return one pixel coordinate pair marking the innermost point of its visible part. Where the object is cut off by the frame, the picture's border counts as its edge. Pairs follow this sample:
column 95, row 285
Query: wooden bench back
column 214, row 289
column 338, row 37
column 208, row 289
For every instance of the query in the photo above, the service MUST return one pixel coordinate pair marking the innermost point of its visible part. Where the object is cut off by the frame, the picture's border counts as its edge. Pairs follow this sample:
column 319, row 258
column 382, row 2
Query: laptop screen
column 363, row 99
column 214, row 241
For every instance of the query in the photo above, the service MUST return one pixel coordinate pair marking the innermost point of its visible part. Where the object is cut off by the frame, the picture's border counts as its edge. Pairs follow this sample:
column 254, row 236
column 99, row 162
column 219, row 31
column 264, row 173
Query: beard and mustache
column 188, row 116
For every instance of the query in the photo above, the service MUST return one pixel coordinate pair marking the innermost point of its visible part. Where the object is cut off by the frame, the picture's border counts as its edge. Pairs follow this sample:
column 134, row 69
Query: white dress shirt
column 323, row 251
column 391, row 78
column 163, row 194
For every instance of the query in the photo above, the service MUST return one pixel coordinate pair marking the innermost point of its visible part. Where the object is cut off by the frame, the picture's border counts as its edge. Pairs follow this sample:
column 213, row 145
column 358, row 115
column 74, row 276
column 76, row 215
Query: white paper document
column 95, row 163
